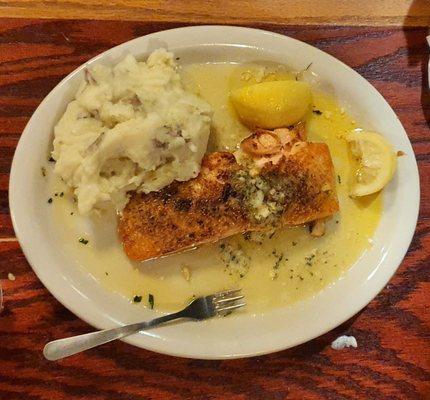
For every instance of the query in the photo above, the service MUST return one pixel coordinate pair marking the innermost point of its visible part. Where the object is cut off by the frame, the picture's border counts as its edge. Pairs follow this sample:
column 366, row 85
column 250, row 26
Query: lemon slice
column 272, row 104
column 377, row 162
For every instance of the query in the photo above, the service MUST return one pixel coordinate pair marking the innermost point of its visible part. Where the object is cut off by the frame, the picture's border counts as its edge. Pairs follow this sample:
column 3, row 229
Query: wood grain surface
column 393, row 331
column 280, row 12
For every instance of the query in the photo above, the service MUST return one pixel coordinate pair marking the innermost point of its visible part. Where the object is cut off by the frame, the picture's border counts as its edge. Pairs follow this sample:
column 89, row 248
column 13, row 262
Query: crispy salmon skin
column 227, row 198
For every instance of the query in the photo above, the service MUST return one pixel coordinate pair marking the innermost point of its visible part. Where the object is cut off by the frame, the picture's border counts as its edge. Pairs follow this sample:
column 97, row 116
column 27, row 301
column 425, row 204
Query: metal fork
column 199, row 309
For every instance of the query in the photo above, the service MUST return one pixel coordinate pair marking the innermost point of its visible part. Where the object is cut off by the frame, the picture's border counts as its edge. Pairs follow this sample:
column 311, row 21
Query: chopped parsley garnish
column 317, row 112
column 265, row 196
column 151, row 301
column 137, row 299
column 83, row 241
column 309, row 260
column 275, row 269
column 279, row 258
column 50, row 200
column 299, row 74
column 235, row 260
column 338, row 179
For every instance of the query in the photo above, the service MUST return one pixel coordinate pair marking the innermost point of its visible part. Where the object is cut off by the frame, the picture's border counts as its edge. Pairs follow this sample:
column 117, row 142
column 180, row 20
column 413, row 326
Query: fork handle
column 62, row 348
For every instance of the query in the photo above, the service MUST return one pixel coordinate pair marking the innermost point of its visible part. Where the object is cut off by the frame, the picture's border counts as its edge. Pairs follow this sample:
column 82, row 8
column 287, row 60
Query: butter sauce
column 273, row 270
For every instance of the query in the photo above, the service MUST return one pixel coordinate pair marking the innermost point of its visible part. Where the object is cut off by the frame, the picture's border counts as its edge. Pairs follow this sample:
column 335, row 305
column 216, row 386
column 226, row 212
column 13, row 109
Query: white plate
column 241, row 335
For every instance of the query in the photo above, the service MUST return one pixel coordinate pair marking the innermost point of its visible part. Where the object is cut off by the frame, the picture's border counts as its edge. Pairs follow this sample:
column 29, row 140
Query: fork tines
column 228, row 300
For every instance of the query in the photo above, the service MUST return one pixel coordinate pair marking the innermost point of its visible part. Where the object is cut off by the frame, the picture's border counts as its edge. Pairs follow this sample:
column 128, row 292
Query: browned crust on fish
column 184, row 213
column 315, row 195
column 207, row 208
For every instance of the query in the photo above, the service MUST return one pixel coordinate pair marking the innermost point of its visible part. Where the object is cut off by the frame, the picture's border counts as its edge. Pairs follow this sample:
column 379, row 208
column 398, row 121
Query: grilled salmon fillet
column 227, row 198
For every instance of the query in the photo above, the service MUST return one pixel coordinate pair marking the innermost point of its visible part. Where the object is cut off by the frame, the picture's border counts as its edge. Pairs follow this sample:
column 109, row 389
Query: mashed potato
column 130, row 127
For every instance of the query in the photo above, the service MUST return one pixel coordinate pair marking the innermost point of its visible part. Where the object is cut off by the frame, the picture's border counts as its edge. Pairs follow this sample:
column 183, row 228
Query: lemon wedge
column 273, row 104
column 377, row 162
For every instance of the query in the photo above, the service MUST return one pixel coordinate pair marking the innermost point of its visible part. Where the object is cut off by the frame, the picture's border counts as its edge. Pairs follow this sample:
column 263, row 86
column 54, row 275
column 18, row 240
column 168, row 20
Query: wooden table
column 393, row 331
